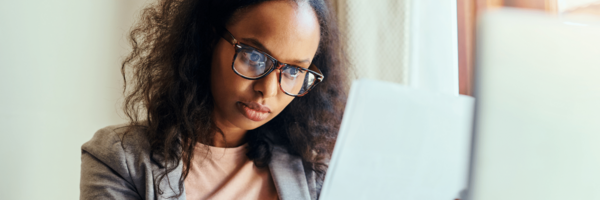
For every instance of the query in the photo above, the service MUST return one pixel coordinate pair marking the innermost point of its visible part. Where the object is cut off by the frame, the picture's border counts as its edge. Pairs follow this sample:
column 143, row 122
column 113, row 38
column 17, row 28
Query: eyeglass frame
column 276, row 64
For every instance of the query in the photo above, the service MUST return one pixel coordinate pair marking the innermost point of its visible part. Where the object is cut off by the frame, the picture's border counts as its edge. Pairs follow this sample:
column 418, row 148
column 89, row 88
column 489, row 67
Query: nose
column 268, row 85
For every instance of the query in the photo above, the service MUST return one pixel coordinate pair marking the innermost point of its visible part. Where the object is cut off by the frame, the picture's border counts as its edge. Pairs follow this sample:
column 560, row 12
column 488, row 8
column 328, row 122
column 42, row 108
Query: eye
column 255, row 56
column 292, row 72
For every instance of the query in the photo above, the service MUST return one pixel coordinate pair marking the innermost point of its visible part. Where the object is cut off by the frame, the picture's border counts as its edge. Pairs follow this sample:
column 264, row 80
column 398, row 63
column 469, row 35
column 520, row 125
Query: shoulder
column 120, row 133
column 122, row 148
column 115, row 164
column 114, row 144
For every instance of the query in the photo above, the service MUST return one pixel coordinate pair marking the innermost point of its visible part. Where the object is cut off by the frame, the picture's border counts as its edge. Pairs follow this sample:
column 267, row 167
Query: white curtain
column 376, row 37
column 413, row 42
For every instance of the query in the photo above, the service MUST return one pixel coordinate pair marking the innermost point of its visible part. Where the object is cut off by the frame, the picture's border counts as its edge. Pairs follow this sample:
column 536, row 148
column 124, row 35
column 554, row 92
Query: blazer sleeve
column 104, row 169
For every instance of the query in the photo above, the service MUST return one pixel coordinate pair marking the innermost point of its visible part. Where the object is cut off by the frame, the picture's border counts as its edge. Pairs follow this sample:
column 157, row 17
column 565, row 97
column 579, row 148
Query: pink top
column 227, row 173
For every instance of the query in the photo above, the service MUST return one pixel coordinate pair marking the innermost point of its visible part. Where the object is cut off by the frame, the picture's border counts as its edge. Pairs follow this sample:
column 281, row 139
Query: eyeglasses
column 252, row 64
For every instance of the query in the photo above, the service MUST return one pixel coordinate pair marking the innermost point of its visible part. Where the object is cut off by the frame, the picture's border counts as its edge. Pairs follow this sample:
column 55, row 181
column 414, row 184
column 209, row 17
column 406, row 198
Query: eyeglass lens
column 254, row 64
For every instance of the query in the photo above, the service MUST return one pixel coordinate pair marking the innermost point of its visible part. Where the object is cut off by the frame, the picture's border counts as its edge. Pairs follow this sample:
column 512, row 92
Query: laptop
column 397, row 142
column 537, row 132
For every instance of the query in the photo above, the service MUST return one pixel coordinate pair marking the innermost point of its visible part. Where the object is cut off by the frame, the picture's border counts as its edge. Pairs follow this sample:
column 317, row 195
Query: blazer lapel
column 289, row 176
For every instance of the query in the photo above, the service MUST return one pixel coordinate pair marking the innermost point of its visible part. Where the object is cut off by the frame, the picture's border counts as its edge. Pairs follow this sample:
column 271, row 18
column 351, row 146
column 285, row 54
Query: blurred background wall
column 469, row 10
column 59, row 83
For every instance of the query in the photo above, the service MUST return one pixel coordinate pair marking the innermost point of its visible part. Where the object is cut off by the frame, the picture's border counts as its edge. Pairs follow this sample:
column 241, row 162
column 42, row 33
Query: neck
column 233, row 138
column 230, row 136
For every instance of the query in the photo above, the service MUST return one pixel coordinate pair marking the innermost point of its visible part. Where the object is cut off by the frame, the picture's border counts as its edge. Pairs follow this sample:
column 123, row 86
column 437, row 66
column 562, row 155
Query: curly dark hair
column 167, row 86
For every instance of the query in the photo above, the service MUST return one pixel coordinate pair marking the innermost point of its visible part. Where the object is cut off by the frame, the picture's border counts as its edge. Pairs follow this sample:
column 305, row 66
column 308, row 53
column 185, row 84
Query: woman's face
column 287, row 31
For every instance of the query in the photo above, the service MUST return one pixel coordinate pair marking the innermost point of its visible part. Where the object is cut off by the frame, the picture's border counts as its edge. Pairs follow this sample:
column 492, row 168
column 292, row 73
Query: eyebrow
column 254, row 42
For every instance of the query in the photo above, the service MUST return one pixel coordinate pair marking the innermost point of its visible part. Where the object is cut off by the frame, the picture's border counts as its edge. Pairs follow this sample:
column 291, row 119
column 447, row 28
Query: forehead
column 289, row 31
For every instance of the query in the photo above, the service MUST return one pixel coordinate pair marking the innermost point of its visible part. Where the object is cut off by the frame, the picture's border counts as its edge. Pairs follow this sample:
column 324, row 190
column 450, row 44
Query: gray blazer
column 109, row 171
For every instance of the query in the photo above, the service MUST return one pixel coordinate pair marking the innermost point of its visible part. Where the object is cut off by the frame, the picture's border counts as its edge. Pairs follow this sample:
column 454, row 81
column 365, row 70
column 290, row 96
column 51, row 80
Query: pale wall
column 59, row 83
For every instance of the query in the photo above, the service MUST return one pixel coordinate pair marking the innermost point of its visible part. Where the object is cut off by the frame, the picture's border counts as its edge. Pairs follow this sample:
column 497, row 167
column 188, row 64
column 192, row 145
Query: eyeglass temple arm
column 225, row 34
column 315, row 69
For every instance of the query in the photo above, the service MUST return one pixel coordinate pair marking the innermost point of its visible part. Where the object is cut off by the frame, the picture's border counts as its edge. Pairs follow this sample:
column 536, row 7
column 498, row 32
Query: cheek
column 284, row 100
column 223, row 80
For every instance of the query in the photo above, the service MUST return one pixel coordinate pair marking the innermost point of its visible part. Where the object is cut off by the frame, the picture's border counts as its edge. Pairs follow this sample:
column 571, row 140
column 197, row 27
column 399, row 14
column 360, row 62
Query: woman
column 228, row 99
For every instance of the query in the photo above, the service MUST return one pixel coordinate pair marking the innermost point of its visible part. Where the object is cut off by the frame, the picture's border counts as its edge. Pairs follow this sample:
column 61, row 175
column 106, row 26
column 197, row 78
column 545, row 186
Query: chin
column 246, row 124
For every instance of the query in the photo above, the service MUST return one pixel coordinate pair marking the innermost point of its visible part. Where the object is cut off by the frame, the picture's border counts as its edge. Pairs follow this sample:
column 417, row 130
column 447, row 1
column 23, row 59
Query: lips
column 254, row 111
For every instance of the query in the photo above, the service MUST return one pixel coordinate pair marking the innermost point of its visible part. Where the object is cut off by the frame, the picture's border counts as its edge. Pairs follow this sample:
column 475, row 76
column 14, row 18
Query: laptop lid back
column 538, row 109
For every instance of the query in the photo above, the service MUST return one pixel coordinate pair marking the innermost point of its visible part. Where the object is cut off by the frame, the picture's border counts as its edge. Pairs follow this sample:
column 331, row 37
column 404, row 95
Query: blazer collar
column 288, row 175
